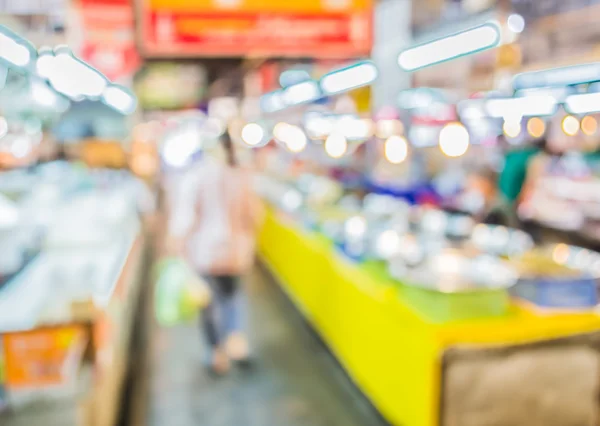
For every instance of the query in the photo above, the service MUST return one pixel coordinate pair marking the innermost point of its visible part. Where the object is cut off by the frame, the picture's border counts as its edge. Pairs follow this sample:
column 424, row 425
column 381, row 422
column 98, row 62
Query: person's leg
column 213, row 325
column 234, row 320
column 231, row 311
column 209, row 322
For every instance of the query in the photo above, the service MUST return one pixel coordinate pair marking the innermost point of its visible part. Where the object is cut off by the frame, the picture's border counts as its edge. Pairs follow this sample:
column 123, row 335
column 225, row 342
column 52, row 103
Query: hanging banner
column 108, row 37
column 292, row 28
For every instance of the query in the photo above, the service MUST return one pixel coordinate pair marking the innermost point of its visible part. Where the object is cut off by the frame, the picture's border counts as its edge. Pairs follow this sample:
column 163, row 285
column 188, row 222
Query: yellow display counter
column 392, row 351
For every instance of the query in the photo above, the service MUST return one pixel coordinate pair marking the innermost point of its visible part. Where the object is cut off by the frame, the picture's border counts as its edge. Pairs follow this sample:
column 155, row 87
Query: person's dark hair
column 229, row 150
column 489, row 175
column 61, row 153
column 485, row 173
column 541, row 144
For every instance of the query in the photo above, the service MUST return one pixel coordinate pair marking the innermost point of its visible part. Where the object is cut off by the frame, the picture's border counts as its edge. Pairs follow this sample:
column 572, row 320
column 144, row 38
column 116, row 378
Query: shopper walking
column 221, row 247
column 520, row 169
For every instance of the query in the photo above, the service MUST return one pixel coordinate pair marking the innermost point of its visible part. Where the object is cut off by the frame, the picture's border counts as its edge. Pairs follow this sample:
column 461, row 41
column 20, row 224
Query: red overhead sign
column 109, row 37
column 292, row 28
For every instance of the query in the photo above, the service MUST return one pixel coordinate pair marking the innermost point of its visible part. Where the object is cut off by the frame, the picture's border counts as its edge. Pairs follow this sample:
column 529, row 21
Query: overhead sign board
column 107, row 37
column 292, row 28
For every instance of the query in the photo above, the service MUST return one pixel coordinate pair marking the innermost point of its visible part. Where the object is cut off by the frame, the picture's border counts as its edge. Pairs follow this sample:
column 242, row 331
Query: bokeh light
column 570, row 125
column 516, row 23
column 21, row 146
column 253, row 134
column 280, row 131
column 396, row 149
column 561, row 253
column 355, row 227
column 589, row 125
column 454, row 140
column 336, row 145
column 179, row 147
column 388, row 244
column 536, row 127
column 297, row 143
column 512, row 128
column 293, row 137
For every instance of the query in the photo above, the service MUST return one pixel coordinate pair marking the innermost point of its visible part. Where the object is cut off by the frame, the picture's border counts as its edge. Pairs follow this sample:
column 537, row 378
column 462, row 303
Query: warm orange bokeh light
column 536, row 127
column 589, row 125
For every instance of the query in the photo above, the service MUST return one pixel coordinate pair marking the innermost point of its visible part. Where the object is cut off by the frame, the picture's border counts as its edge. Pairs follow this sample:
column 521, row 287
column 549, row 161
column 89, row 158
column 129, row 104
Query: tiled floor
column 296, row 381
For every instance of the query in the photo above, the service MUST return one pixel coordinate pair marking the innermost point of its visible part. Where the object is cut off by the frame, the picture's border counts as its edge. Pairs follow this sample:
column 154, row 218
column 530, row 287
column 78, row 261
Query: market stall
column 72, row 261
column 425, row 357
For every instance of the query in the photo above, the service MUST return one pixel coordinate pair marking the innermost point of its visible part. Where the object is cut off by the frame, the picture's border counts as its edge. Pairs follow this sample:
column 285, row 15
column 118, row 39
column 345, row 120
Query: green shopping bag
column 179, row 293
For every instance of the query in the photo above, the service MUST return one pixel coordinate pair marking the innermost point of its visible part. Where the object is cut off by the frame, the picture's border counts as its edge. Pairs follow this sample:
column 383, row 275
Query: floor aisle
column 296, row 382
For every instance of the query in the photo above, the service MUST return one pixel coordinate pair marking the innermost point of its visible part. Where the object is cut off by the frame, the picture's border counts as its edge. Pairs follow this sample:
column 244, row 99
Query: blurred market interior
column 430, row 177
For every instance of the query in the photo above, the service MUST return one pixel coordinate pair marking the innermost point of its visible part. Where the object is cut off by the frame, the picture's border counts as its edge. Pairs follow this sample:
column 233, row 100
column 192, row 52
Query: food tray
column 549, row 290
column 568, row 293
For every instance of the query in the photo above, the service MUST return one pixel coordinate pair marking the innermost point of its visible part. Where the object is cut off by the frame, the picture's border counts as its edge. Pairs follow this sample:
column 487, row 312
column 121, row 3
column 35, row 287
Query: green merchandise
column 440, row 308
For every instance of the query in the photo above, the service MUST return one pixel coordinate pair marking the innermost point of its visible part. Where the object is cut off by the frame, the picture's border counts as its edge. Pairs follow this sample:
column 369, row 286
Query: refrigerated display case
column 66, row 312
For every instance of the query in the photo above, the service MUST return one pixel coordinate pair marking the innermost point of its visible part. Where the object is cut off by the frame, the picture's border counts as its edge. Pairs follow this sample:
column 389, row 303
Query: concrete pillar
column 392, row 35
